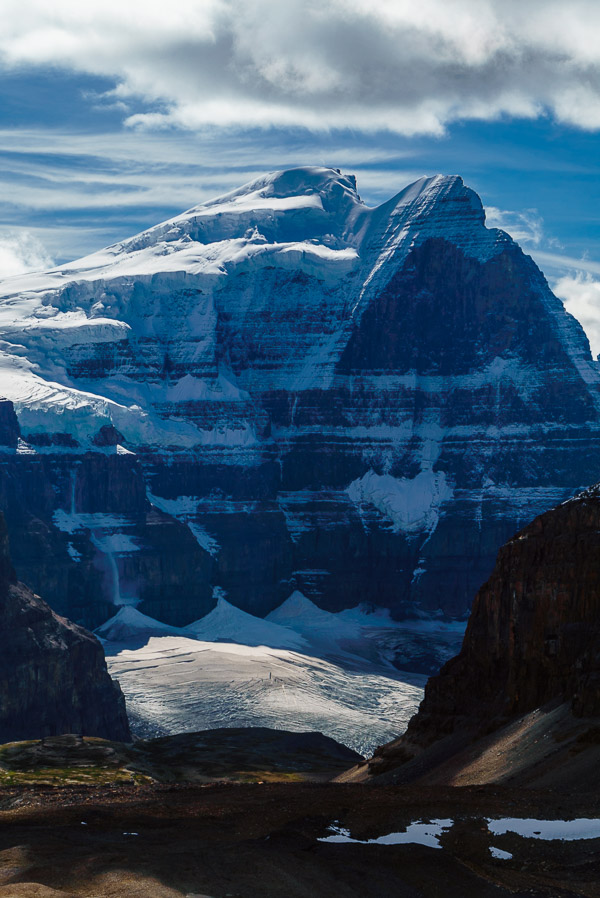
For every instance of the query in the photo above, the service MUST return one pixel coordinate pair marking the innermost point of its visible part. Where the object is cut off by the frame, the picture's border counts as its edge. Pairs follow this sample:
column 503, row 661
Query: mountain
column 53, row 676
column 522, row 697
column 285, row 390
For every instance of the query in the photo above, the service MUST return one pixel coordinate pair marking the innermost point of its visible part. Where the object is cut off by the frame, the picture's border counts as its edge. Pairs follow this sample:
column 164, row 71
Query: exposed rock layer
column 53, row 676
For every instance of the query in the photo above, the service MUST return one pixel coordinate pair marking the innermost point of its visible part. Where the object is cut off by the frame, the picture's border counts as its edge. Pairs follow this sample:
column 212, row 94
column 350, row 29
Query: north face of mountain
column 284, row 389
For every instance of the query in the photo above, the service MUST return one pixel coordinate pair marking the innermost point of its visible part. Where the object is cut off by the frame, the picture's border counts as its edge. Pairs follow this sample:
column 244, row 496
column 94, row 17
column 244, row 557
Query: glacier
column 314, row 670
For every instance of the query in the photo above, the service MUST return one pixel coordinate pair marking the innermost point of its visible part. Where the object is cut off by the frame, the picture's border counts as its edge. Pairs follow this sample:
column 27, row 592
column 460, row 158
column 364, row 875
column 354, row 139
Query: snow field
column 299, row 668
column 173, row 684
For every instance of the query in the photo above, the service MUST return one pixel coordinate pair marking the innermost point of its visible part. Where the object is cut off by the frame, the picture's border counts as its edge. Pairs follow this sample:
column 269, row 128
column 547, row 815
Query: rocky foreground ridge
column 53, row 676
column 285, row 389
column 529, row 667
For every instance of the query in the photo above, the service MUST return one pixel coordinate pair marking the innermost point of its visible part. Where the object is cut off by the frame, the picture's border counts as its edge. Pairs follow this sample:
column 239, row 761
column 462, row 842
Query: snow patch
column 75, row 555
column 184, row 509
column 412, row 506
column 72, row 522
column 116, row 544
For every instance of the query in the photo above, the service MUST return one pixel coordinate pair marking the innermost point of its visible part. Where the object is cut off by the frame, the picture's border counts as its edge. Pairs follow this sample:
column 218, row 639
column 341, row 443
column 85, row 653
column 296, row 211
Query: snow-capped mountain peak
column 293, row 182
column 352, row 402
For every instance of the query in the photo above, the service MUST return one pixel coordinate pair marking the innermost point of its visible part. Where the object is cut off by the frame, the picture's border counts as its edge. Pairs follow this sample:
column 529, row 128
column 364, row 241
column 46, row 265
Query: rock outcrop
column 284, row 389
column 53, row 676
column 533, row 639
column 9, row 425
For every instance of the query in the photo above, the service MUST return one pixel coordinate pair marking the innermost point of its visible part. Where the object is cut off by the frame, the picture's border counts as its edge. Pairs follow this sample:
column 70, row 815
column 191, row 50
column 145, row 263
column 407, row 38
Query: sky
column 116, row 115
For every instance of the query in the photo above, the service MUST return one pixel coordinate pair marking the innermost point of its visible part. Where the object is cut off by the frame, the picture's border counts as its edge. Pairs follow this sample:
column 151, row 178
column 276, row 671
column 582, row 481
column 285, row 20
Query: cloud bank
column 368, row 64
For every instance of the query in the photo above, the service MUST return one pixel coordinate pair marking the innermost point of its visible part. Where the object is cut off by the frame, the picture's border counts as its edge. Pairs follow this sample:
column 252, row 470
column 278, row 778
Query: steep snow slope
column 302, row 615
column 283, row 389
column 228, row 623
column 129, row 625
column 348, row 637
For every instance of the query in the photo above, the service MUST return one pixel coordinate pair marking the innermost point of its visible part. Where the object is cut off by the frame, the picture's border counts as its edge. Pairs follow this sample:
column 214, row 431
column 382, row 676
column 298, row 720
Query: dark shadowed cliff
column 533, row 641
column 53, row 676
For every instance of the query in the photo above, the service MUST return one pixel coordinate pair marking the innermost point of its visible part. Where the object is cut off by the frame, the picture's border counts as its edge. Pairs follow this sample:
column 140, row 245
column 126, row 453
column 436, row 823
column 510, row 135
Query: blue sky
column 115, row 116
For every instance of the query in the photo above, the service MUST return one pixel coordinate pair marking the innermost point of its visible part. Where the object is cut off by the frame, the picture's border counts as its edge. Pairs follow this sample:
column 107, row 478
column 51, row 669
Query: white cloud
column 581, row 296
column 525, row 227
column 21, row 251
column 555, row 264
column 384, row 64
column 110, row 172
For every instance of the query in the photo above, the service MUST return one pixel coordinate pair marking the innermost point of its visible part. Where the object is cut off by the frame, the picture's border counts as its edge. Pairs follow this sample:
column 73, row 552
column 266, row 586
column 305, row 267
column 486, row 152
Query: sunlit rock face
column 285, row 389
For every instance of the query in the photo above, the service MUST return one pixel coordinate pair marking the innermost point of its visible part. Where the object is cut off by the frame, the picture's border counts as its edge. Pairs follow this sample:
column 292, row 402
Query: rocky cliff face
column 533, row 637
column 53, row 676
column 285, row 389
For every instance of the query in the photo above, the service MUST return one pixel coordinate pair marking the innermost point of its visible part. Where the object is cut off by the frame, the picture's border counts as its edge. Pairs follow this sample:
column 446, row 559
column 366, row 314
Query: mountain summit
column 284, row 389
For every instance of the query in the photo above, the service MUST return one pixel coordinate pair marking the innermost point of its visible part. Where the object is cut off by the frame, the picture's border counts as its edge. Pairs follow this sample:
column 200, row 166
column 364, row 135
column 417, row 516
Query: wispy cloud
column 115, row 183
column 525, row 227
column 21, row 251
column 391, row 64
column 556, row 262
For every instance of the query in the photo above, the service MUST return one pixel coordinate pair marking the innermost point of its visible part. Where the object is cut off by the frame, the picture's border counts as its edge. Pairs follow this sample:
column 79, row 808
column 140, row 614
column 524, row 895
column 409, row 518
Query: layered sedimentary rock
column 53, row 676
column 286, row 389
column 533, row 638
